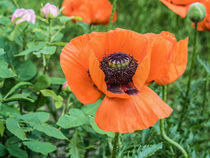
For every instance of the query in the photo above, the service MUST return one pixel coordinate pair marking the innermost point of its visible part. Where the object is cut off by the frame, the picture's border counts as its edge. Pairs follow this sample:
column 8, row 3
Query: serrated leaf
column 205, row 64
column 5, row 72
column 75, row 119
column 40, row 147
column 15, row 151
column 97, row 129
column 14, row 127
column 32, row 49
column 2, row 128
column 49, row 130
column 2, row 150
column 40, row 116
column 149, row 150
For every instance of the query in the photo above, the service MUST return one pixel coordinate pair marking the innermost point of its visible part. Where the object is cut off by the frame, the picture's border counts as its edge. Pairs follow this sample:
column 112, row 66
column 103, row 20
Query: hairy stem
column 205, row 92
column 115, row 144
column 192, row 63
column 186, row 97
column 112, row 14
column 162, row 128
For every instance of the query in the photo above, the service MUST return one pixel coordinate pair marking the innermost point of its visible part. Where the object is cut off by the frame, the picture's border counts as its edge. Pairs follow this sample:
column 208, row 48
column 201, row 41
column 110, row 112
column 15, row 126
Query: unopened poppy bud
column 65, row 87
column 196, row 12
column 49, row 11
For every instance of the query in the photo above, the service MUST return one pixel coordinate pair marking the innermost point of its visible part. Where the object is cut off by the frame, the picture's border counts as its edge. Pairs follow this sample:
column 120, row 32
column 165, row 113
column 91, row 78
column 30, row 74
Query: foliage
column 39, row 119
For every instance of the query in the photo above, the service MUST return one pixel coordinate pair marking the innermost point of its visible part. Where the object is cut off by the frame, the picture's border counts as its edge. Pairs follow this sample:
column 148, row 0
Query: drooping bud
column 49, row 11
column 196, row 12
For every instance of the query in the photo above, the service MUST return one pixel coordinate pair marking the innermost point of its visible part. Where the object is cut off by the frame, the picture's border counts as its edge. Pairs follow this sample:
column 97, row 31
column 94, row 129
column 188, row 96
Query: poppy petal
column 120, row 40
column 128, row 115
column 75, row 67
column 178, row 9
column 169, row 58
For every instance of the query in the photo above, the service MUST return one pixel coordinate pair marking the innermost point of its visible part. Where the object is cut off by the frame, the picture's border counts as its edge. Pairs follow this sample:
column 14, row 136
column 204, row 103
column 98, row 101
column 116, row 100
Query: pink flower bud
column 65, row 87
column 49, row 11
column 24, row 15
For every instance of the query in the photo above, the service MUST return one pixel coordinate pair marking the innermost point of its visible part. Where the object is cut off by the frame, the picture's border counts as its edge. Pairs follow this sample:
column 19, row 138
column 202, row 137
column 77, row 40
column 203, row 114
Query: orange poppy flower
column 115, row 64
column 169, row 58
column 91, row 11
column 181, row 7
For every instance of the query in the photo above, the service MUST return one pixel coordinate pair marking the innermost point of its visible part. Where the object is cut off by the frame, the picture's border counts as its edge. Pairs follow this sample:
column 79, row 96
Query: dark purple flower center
column 119, row 69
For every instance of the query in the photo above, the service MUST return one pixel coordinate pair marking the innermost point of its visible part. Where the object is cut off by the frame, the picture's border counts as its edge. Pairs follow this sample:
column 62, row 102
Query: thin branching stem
column 112, row 15
column 162, row 128
column 115, row 145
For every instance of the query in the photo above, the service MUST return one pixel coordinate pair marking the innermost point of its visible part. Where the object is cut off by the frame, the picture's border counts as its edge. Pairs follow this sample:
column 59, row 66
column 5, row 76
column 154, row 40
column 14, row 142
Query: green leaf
column 40, row 116
column 17, row 86
column 32, row 49
column 91, row 109
column 26, row 70
column 98, row 130
column 40, row 147
column 49, row 93
column 13, row 126
column 2, row 150
column 15, row 151
column 149, row 150
column 64, row 19
column 2, row 51
column 76, row 149
column 2, row 128
column 42, row 82
column 5, row 72
column 76, row 118
column 57, row 81
column 48, row 50
column 205, row 64
column 18, row 97
column 49, row 130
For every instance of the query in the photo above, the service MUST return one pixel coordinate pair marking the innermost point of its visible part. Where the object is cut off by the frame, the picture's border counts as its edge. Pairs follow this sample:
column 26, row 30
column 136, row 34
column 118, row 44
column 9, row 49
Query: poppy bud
column 49, row 11
column 65, row 87
column 196, row 12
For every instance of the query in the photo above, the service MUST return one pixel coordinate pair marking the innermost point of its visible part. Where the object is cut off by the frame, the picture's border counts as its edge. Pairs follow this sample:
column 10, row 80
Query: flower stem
column 112, row 14
column 186, row 97
column 205, row 92
column 115, row 144
column 192, row 63
column 65, row 108
column 45, row 58
column 162, row 128
column 15, row 3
